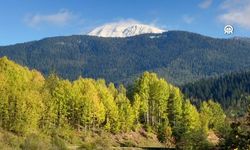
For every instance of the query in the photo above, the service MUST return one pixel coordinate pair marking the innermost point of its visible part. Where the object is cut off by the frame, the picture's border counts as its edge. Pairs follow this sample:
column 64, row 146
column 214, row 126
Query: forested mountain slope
column 231, row 90
column 179, row 57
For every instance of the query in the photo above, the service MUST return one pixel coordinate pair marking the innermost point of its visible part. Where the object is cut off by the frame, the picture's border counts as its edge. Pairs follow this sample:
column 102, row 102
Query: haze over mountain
column 178, row 56
column 124, row 29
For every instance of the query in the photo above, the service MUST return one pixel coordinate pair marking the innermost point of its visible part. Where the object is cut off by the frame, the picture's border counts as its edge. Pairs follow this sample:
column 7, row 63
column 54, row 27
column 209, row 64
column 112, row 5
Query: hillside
column 179, row 57
column 231, row 91
column 53, row 113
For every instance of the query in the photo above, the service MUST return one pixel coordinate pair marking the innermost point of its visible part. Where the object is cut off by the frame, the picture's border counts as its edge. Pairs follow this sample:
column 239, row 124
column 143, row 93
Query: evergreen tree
column 192, row 136
column 175, row 110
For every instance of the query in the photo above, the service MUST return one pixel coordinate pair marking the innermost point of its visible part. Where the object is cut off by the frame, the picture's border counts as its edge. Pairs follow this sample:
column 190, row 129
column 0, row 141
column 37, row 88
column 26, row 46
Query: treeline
column 232, row 90
column 30, row 103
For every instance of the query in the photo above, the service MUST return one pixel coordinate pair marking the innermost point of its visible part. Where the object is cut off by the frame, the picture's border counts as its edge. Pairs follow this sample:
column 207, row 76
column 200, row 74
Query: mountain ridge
column 178, row 56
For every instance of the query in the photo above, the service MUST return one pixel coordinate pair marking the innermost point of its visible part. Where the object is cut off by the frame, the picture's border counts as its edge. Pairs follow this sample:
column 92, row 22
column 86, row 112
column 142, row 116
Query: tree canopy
column 31, row 103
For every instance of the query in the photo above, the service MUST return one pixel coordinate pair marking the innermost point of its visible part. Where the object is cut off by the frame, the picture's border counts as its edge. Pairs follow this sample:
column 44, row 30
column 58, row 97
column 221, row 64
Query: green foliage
column 212, row 116
column 153, row 94
column 87, row 146
column 175, row 110
column 191, row 119
column 164, row 133
column 20, row 101
column 59, row 108
column 239, row 137
column 89, row 108
column 57, row 143
column 111, row 109
column 100, row 142
column 9, row 141
column 126, row 114
column 230, row 90
column 193, row 140
column 35, row 142
column 128, row 144
column 136, row 107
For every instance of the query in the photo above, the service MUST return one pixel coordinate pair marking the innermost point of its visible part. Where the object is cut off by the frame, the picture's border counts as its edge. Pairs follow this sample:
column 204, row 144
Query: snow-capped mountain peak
column 124, row 29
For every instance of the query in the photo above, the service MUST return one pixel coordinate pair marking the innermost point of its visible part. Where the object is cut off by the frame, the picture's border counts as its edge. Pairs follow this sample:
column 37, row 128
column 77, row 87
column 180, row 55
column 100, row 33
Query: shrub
column 58, row 143
column 10, row 140
column 34, row 142
column 87, row 146
column 98, row 143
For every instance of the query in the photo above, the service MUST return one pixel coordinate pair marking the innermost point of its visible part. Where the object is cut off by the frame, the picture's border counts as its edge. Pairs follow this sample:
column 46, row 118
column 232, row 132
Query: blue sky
column 27, row 20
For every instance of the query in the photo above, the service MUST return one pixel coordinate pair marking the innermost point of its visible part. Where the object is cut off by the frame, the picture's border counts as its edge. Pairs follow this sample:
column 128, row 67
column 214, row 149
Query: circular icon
column 228, row 29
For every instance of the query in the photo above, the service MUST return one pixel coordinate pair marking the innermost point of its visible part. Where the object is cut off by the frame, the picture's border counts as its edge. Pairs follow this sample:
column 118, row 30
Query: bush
column 9, row 141
column 98, row 143
column 5, row 147
column 164, row 133
column 34, row 142
column 128, row 144
column 87, row 146
column 58, row 143
column 194, row 140
column 149, row 129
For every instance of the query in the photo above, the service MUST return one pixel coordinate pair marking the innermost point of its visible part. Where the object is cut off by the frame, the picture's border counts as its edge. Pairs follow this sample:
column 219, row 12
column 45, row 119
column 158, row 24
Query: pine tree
column 175, row 110
column 191, row 135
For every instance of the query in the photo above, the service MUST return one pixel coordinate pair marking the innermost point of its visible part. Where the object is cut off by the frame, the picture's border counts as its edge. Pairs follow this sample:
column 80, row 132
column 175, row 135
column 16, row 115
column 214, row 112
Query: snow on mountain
column 124, row 29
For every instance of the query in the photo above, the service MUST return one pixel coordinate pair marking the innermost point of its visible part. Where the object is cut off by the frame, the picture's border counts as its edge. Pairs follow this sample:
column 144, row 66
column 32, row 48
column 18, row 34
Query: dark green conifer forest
column 232, row 91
